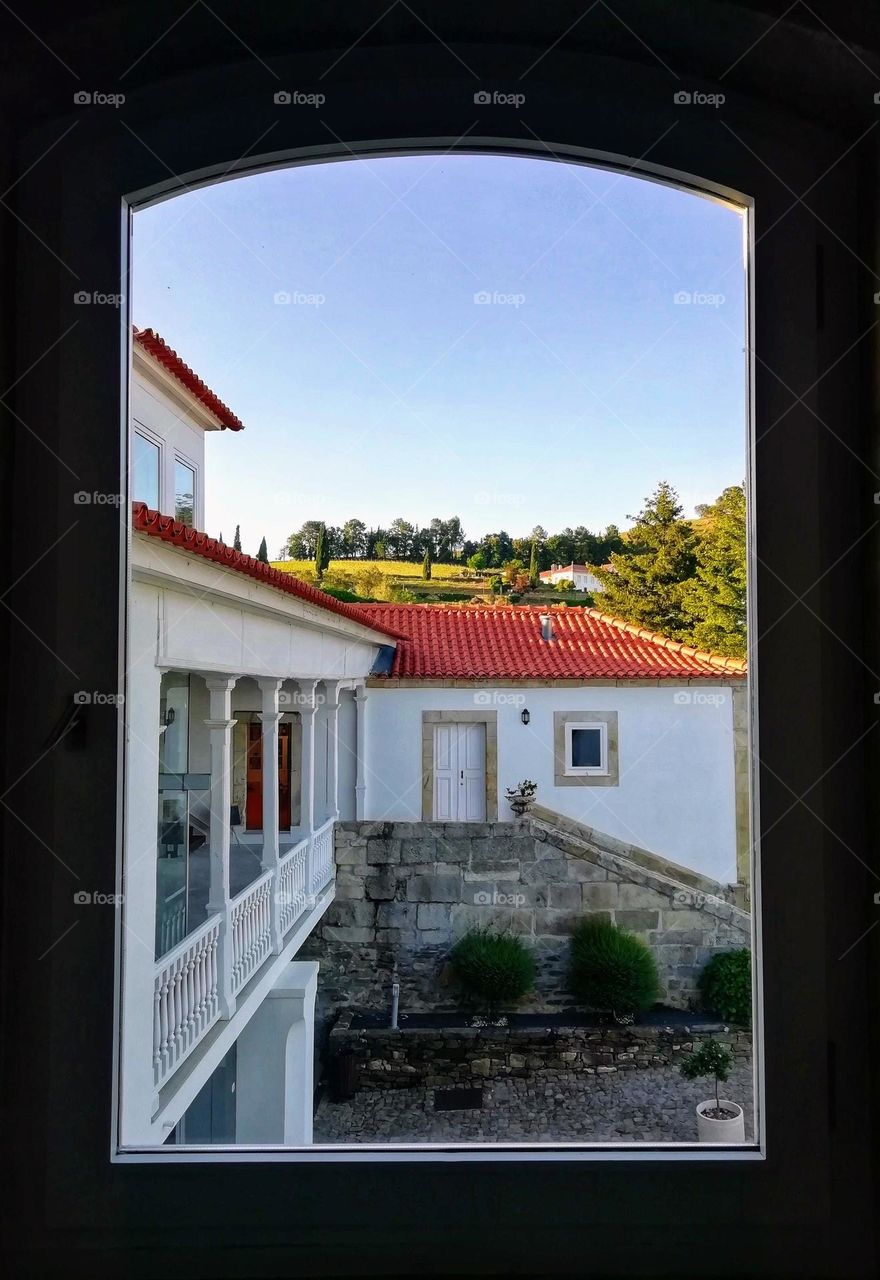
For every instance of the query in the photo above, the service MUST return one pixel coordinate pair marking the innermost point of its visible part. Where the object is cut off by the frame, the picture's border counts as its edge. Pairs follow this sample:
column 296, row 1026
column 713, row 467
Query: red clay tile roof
column 561, row 568
column 159, row 349
column 477, row 642
column 167, row 529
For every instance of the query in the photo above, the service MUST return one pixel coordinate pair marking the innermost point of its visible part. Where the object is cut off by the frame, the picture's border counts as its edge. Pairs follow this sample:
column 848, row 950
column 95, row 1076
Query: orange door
column 284, row 776
column 254, row 812
column 254, row 808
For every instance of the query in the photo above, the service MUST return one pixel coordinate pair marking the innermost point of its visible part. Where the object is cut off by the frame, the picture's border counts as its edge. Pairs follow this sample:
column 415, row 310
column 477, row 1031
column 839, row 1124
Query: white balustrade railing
column 322, row 856
column 172, row 926
column 185, row 997
column 251, row 928
column 292, row 887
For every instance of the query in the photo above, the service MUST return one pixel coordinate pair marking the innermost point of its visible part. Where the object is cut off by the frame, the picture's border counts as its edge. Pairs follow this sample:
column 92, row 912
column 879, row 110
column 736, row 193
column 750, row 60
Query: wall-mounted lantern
column 524, row 715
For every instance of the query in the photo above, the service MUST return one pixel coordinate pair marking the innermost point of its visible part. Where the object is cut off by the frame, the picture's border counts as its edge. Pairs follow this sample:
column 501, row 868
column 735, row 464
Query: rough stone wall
column 405, row 892
column 412, row 1058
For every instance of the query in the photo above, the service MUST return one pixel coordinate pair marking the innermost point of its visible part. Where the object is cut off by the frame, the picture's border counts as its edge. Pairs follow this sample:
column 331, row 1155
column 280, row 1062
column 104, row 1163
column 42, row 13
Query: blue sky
column 383, row 389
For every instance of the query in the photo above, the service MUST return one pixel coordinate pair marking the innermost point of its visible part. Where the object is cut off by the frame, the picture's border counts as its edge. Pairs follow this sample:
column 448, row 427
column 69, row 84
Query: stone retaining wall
column 405, row 892
column 458, row 1055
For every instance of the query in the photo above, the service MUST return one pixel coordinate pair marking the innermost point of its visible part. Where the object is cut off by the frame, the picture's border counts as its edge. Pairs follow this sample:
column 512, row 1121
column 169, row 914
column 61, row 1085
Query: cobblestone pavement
column 654, row 1105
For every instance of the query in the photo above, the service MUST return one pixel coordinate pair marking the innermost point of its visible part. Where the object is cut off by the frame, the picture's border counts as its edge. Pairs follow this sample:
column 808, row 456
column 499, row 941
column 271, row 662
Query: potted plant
column 522, row 796
column 718, row 1119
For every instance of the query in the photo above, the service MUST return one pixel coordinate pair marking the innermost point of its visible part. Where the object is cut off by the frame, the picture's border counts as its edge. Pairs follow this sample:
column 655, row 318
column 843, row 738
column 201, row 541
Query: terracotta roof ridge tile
column 145, row 520
column 156, row 346
column 674, row 646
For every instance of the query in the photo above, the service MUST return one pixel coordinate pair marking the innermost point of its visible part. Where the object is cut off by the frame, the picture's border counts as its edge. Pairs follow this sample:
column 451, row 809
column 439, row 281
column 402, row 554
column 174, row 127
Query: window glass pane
column 586, row 748
column 172, row 864
column 145, row 471
column 184, row 493
column 174, row 712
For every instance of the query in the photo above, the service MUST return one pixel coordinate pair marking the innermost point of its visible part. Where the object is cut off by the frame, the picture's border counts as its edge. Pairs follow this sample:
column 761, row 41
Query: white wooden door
column 460, row 772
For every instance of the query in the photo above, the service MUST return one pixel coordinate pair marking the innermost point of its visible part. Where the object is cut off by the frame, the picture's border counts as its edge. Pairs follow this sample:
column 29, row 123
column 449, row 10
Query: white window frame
column 145, row 433
column 597, row 771
column 185, row 461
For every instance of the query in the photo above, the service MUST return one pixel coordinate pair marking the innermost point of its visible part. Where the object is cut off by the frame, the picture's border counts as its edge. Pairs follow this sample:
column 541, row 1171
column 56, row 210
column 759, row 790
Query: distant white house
column 580, row 574
column 260, row 712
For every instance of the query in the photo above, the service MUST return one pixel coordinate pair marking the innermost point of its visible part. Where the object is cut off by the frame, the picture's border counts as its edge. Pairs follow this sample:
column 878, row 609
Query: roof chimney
column 546, row 626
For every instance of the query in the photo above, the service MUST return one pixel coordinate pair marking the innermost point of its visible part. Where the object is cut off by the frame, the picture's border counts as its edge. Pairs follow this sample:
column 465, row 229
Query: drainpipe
column 395, row 1002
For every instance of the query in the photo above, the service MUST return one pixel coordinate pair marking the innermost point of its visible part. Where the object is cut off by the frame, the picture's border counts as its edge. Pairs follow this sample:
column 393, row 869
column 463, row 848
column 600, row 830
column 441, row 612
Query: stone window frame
column 432, row 718
column 585, row 716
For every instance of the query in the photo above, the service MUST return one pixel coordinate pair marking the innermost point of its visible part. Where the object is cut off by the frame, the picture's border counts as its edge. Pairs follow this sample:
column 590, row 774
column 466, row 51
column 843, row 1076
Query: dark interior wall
column 797, row 134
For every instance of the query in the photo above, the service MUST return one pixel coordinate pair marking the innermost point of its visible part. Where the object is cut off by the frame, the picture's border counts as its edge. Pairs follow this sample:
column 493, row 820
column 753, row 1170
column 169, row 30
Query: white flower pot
column 727, row 1131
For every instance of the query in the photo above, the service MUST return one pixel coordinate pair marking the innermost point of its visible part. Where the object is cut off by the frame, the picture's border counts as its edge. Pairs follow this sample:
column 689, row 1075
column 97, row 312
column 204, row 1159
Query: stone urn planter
column 522, row 797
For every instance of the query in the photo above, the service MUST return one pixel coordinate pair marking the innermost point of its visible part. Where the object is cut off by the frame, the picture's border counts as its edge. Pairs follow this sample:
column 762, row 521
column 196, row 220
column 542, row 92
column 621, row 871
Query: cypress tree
column 426, row 564
column 322, row 552
column 646, row 582
column 236, row 541
column 533, row 565
column 263, row 553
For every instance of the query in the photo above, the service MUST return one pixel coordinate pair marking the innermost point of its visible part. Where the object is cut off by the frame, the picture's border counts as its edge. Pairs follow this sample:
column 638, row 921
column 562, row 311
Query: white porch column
column 138, row 1096
column 274, row 1085
column 360, row 787
column 331, row 690
column 220, row 725
column 308, row 705
column 270, row 717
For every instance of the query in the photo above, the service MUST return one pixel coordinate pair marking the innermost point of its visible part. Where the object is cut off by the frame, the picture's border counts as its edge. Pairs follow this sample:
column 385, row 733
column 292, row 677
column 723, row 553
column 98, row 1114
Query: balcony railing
column 187, row 984
column 251, row 923
column 322, row 856
column 185, row 997
column 293, row 870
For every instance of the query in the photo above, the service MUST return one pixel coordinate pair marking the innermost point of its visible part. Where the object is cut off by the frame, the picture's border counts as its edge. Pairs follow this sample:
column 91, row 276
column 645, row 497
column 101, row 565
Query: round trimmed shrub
column 493, row 968
column 726, row 986
column 612, row 971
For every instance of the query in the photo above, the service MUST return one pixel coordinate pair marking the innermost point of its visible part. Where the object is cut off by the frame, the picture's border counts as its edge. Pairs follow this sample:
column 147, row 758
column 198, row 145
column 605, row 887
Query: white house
column 625, row 731
column 259, row 712
column 580, row 574
column 242, row 729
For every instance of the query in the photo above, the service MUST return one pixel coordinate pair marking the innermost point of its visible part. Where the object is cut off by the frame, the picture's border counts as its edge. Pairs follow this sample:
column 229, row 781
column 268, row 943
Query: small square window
column 586, row 748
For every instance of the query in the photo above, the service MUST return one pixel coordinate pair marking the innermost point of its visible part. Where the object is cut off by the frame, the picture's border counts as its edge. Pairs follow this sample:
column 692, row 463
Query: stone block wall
column 405, row 892
column 422, row 1058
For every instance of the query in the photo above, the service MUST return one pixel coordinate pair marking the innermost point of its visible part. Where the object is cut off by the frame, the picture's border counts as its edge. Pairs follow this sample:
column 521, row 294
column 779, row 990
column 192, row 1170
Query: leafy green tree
column 322, row 552
column 715, row 599
column 263, row 552
column 401, row 536
column 426, row 564
column 301, row 545
column 354, row 539
column 646, row 581
column 236, row 541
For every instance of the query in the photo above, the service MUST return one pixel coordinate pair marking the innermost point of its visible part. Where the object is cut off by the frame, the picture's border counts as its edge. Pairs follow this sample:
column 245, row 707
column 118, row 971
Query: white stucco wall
column 582, row 581
column 676, row 791
column 172, row 424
